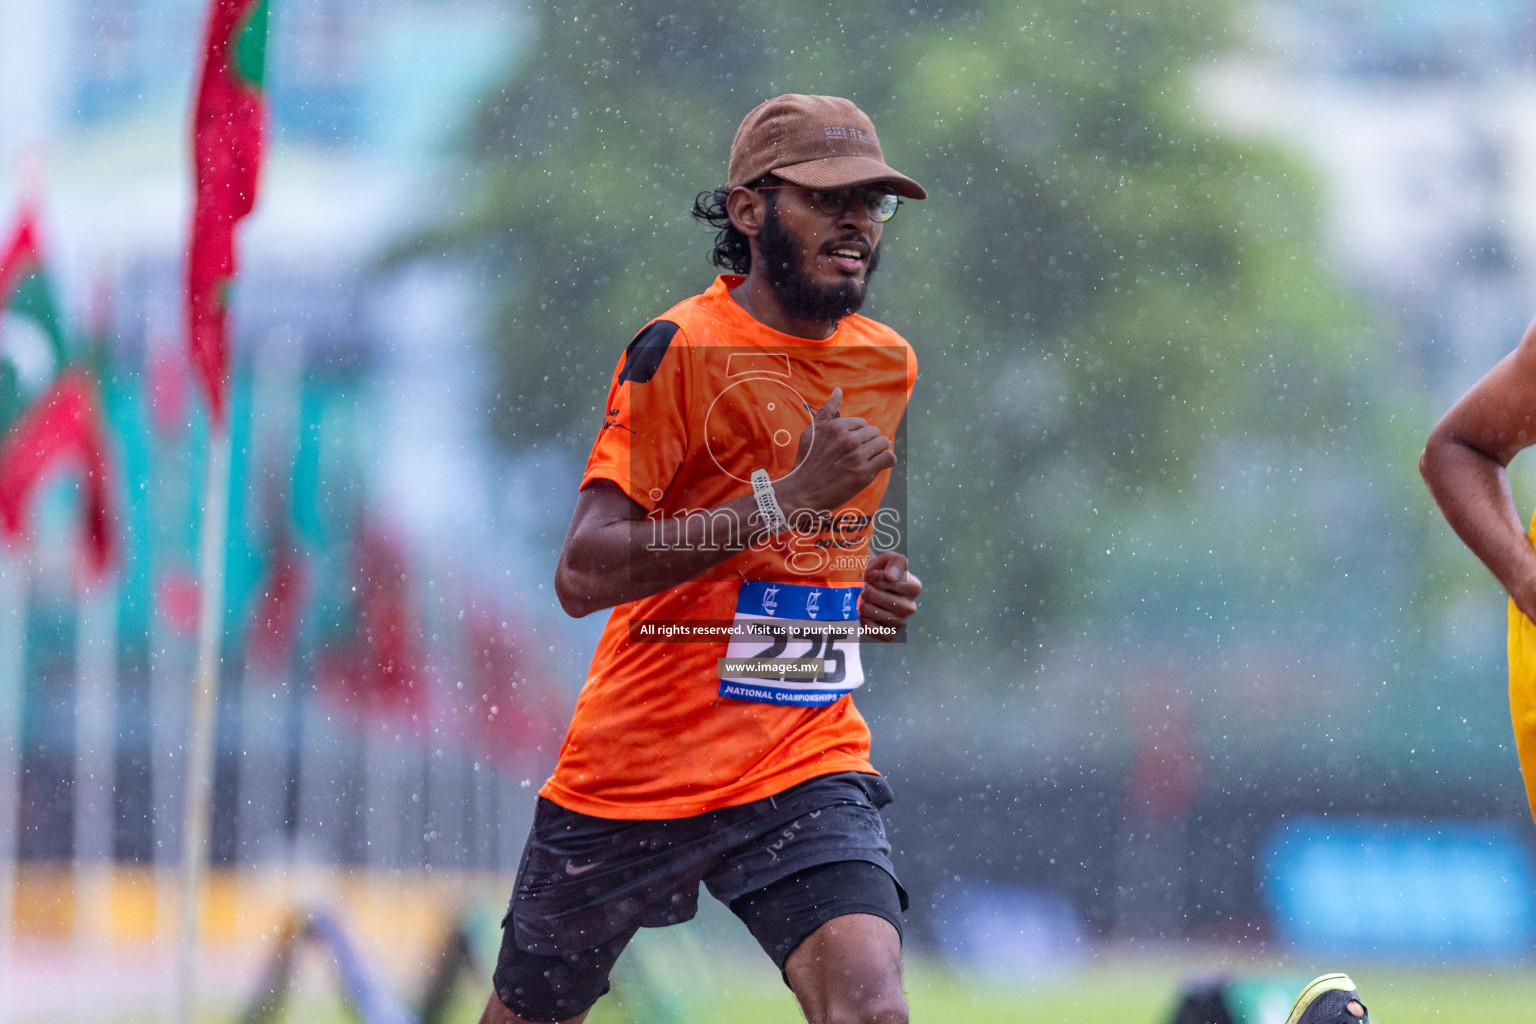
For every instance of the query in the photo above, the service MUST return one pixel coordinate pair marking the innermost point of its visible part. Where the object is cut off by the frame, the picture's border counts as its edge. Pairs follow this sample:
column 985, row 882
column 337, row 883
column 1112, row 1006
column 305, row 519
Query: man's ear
column 747, row 210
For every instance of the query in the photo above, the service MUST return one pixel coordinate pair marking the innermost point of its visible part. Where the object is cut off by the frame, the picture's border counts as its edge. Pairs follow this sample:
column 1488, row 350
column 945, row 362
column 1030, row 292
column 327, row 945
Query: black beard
column 801, row 295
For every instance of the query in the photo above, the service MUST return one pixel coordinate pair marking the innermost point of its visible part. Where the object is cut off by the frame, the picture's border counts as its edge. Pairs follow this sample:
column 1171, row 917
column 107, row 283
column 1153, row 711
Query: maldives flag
column 62, row 428
column 517, row 710
column 379, row 667
column 226, row 149
column 27, row 292
column 279, row 607
column 62, row 425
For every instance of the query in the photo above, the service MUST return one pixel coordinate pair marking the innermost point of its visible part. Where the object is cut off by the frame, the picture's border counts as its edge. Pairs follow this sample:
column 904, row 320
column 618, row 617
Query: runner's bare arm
column 613, row 553
column 890, row 592
column 1464, row 465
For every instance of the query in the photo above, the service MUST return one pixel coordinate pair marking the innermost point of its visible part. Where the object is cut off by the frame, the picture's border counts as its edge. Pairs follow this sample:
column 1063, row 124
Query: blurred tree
column 1104, row 294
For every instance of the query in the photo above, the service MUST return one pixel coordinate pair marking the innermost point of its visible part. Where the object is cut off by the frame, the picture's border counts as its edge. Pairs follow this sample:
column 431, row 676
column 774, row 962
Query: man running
column 726, row 516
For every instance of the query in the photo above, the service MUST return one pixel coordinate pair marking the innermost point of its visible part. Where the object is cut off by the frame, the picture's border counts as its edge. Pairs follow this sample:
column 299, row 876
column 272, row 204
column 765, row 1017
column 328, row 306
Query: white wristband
column 768, row 503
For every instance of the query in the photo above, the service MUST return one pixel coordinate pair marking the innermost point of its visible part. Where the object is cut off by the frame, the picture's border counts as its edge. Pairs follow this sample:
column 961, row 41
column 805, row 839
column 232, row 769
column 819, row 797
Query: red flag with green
column 378, row 668
column 26, row 291
column 59, row 425
column 279, row 607
column 228, row 126
column 519, row 711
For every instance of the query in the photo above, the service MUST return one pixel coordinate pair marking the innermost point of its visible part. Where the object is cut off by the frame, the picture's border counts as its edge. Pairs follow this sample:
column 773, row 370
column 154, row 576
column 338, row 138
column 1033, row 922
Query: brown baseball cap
column 815, row 141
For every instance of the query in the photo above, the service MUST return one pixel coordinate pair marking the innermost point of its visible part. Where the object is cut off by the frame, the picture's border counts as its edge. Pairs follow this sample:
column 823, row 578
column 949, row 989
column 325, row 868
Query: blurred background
column 1201, row 681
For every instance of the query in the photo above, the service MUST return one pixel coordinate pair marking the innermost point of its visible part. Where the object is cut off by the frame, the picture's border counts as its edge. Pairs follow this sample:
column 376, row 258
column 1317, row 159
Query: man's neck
column 757, row 296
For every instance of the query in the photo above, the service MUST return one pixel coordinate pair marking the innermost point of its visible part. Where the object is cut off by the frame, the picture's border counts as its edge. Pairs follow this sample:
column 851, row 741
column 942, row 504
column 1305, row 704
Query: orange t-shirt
column 703, row 396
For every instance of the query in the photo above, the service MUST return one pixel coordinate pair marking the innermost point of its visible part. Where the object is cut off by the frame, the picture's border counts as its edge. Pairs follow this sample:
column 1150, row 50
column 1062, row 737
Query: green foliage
column 1102, row 289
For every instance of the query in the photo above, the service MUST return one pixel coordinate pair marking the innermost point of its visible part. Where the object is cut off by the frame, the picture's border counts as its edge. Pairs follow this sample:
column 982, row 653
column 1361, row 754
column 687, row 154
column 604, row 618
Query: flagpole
column 95, row 763
column 169, row 666
column 168, row 734
column 264, row 703
column 227, row 126
column 13, row 650
column 195, row 829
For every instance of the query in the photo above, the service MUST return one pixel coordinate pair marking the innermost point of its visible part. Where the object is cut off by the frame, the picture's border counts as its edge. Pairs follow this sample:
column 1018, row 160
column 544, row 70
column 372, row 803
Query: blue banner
column 798, row 601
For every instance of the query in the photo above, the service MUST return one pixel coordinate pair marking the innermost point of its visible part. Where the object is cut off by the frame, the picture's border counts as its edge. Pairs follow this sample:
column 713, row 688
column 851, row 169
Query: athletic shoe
column 1326, row 1000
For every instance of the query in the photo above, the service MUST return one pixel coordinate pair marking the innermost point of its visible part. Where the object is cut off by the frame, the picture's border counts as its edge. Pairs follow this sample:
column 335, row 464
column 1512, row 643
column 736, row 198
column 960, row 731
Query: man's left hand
column 890, row 593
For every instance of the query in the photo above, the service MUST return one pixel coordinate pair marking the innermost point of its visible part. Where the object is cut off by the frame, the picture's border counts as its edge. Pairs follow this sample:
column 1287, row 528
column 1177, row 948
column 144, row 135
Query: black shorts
column 785, row 865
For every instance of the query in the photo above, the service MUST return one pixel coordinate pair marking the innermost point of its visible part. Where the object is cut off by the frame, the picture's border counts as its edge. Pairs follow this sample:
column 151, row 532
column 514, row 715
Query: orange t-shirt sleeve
column 645, row 430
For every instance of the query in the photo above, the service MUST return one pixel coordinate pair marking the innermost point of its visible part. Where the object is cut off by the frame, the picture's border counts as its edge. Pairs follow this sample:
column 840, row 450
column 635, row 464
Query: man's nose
column 856, row 214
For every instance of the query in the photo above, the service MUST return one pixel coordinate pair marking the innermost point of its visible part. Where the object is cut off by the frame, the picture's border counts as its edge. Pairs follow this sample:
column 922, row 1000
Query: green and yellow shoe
column 1331, row 999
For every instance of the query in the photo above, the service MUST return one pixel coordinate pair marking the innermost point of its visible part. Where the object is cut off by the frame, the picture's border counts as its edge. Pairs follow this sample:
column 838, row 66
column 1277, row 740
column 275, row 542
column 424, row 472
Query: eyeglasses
column 881, row 206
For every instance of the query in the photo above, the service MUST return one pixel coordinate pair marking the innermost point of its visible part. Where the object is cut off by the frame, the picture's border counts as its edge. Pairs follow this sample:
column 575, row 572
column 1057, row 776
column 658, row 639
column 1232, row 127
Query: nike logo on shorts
column 572, row 869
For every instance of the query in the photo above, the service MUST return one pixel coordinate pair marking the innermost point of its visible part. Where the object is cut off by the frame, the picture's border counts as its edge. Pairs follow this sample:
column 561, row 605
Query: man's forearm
column 628, row 559
column 1472, row 490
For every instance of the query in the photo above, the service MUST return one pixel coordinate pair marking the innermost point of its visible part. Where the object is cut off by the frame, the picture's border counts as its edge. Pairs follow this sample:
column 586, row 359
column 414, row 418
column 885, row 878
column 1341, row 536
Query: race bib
column 793, row 643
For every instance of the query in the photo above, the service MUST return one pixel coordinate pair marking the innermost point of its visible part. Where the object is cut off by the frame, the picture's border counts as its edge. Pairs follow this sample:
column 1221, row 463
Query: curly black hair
column 732, row 249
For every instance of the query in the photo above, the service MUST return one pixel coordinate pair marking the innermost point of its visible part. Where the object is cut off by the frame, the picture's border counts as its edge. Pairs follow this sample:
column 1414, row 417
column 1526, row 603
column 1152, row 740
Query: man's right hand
column 838, row 457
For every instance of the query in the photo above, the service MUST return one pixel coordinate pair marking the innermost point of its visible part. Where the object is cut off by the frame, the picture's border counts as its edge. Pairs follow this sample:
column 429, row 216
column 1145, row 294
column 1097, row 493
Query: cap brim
column 847, row 171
